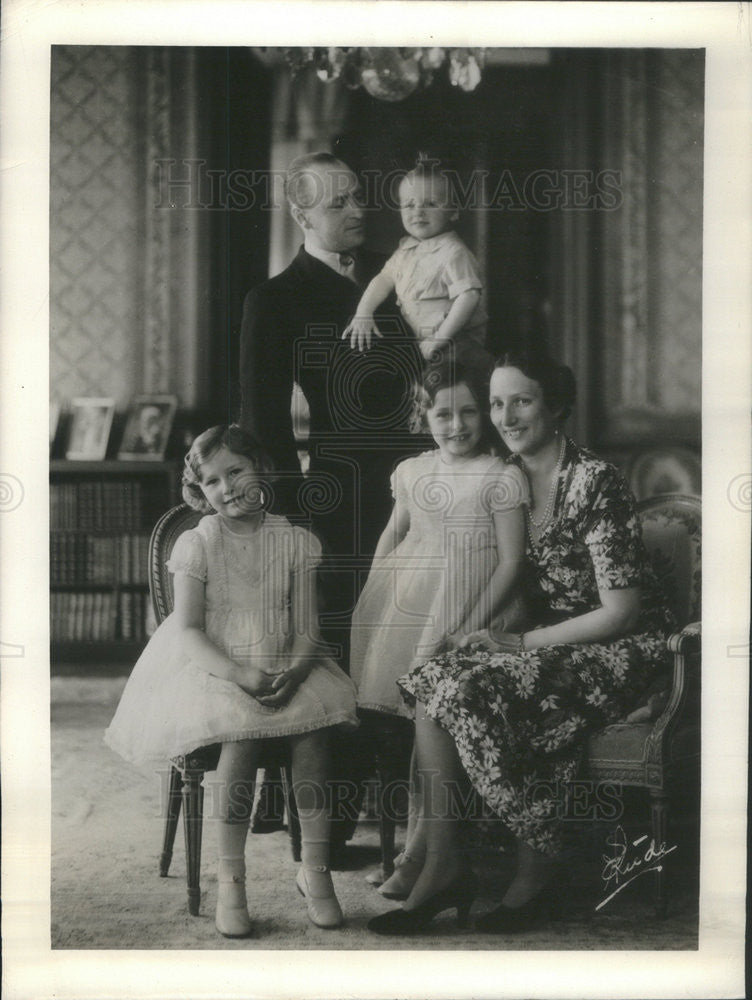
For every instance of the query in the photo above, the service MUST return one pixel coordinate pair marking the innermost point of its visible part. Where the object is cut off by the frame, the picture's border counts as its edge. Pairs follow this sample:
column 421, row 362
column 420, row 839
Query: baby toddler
column 435, row 276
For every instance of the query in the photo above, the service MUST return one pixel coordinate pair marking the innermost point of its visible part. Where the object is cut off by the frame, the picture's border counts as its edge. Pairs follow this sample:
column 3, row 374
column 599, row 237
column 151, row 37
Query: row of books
column 105, row 505
column 99, row 616
column 76, row 557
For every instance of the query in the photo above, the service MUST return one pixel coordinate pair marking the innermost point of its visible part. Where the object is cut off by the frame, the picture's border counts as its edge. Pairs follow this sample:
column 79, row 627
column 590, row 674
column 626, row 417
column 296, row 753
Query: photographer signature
column 627, row 864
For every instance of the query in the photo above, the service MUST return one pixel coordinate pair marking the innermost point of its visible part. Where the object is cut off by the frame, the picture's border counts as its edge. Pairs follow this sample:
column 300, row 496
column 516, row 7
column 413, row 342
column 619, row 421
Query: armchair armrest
column 686, row 640
column 680, row 643
column 662, row 702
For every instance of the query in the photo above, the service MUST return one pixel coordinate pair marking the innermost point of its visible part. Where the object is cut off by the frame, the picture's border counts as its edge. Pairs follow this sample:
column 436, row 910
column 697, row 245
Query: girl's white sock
column 231, row 870
column 315, row 853
column 231, row 839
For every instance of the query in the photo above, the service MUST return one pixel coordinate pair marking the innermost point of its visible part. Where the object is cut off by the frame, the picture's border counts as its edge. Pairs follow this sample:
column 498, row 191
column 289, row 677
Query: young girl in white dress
column 448, row 562
column 238, row 660
column 449, row 559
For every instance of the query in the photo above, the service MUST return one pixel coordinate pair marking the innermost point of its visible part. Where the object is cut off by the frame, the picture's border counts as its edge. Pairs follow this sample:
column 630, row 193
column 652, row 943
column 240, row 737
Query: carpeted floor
column 107, row 820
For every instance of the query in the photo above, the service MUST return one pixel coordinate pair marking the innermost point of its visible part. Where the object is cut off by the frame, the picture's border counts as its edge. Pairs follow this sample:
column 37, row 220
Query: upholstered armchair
column 187, row 771
column 657, row 747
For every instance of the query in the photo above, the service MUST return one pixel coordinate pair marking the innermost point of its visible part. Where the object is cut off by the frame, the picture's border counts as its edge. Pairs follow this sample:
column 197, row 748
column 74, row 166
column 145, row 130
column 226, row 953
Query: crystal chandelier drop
column 389, row 74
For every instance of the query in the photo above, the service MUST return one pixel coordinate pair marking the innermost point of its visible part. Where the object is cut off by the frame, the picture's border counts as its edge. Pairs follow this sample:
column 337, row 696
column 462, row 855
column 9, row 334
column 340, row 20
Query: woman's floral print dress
column 520, row 721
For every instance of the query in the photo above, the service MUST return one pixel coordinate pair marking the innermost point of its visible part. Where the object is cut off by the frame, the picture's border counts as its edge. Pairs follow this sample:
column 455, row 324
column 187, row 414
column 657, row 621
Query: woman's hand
column 458, row 640
column 461, row 640
column 499, row 642
column 506, row 642
column 361, row 330
column 285, row 685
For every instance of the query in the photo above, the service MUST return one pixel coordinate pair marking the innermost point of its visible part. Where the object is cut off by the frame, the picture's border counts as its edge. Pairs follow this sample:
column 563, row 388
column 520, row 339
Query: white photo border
column 31, row 968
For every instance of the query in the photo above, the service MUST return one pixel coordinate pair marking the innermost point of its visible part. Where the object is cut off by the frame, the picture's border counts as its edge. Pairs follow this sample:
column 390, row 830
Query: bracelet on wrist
column 514, row 644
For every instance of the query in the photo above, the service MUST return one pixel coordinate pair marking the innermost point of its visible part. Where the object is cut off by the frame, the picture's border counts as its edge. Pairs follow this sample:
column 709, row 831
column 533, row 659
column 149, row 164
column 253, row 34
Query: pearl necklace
column 244, row 535
column 552, row 490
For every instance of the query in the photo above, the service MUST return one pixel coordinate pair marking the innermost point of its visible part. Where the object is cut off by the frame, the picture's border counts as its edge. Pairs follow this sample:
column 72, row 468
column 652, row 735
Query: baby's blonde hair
column 428, row 169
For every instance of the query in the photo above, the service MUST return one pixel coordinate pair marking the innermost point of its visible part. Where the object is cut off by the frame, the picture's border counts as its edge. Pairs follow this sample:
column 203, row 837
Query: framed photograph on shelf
column 89, row 432
column 148, row 428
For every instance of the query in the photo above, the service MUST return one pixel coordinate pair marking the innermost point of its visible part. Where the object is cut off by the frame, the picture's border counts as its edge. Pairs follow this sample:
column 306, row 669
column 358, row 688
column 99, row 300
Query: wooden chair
column 390, row 740
column 659, row 744
column 187, row 771
column 657, row 748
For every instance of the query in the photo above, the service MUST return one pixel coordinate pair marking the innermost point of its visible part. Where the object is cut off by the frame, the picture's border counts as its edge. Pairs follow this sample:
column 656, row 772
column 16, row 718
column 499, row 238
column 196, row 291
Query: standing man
column 359, row 402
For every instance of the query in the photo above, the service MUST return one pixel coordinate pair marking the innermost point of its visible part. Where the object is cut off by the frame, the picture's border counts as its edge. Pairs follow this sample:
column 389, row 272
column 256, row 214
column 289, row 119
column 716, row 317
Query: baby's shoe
column 315, row 884
column 232, row 919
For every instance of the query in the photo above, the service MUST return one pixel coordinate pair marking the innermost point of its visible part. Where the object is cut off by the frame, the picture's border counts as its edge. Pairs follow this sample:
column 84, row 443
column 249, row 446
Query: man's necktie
column 347, row 266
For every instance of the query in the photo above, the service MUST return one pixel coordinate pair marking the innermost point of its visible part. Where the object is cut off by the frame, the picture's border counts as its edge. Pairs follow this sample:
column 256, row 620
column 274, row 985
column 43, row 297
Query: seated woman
column 515, row 710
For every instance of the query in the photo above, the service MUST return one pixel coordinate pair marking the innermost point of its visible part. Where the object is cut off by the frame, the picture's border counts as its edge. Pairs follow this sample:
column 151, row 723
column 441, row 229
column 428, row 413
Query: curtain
column 307, row 116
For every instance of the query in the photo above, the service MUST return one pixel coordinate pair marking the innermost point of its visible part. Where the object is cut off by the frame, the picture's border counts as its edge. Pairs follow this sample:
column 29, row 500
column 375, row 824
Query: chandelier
column 389, row 74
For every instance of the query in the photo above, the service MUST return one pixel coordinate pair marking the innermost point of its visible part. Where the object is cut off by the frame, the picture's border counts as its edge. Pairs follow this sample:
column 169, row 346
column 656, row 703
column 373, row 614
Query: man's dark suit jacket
column 359, row 403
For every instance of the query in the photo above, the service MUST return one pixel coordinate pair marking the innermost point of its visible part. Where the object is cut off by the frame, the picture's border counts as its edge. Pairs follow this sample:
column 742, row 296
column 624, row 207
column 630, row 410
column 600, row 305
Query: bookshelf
column 101, row 518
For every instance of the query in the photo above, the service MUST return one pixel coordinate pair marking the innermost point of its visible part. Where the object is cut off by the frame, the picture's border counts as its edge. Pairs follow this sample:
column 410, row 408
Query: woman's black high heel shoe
column 458, row 895
column 514, row 919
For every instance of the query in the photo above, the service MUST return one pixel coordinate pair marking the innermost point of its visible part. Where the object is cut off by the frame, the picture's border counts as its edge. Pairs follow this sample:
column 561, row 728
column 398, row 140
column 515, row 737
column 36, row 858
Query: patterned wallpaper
column 677, row 312
column 95, row 223
column 130, row 279
column 652, row 279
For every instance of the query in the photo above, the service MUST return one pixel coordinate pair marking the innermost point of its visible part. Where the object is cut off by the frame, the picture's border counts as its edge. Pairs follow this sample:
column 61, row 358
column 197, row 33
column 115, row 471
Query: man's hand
column 361, row 330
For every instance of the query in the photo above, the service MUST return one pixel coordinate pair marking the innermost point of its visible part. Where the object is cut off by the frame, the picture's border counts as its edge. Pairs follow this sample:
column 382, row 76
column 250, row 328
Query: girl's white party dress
column 170, row 706
column 427, row 585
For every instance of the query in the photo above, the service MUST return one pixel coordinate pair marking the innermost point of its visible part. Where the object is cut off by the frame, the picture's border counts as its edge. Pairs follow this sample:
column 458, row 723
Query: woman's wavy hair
column 557, row 382
column 235, row 439
column 447, row 375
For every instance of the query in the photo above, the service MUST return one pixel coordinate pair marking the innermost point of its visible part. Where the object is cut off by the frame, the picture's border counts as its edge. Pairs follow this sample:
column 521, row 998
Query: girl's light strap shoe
column 232, row 919
column 400, row 883
column 323, row 910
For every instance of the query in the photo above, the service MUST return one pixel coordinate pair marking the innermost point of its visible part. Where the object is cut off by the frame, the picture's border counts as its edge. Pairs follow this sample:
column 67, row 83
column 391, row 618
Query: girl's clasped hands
column 272, row 687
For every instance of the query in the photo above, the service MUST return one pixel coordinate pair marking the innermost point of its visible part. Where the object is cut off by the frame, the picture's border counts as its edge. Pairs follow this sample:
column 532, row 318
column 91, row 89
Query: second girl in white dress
column 448, row 561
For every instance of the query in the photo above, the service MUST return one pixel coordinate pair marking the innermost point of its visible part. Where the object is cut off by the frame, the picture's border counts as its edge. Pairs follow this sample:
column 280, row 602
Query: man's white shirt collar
column 332, row 260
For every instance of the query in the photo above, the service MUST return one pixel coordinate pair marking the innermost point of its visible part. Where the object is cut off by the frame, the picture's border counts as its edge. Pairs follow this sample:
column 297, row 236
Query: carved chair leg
column 659, row 816
column 174, row 795
column 387, row 823
column 392, row 748
column 293, row 821
column 193, row 808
